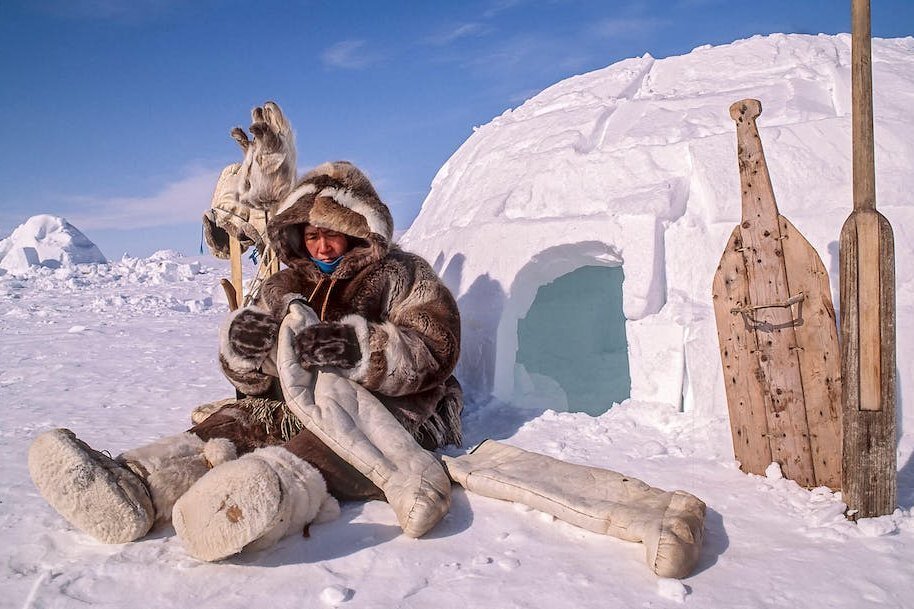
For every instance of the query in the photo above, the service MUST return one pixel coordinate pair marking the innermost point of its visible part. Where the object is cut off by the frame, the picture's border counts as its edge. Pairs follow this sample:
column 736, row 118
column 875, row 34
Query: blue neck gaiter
column 327, row 267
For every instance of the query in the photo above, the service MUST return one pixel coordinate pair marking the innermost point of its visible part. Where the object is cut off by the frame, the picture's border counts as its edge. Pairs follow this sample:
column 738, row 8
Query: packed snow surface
column 47, row 241
column 121, row 352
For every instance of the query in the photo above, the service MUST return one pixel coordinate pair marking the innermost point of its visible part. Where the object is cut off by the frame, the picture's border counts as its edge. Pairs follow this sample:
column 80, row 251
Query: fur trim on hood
column 335, row 196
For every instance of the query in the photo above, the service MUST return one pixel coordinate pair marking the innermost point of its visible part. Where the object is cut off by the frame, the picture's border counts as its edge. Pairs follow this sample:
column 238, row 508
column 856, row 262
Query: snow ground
column 121, row 353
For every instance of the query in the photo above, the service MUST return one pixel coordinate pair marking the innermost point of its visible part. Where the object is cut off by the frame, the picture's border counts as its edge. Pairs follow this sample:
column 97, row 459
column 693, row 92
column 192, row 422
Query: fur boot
column 119, row 500
column 173, row 464
column 670, row 524
column 251, row 503
column 92, row 491
column 351, row 421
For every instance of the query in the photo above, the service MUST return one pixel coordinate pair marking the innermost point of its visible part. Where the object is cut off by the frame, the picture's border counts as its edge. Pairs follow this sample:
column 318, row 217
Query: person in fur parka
column 388, row 322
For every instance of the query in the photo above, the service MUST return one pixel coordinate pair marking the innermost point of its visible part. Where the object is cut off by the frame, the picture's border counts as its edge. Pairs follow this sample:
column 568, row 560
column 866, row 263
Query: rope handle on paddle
column 787, row 303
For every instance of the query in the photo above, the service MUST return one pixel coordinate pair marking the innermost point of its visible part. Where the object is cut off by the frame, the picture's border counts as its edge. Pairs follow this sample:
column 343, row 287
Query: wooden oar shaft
column 868, row 257
column 754, row 178
column 862, row 111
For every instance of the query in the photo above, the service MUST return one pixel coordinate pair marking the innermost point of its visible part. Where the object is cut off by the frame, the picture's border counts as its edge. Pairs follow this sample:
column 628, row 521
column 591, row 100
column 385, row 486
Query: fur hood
column 335, row 196
column 404, row 318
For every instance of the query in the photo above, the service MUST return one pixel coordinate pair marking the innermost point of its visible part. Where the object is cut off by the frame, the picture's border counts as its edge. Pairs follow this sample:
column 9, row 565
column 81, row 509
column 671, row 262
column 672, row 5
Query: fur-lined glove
column 268, row 169
column 328, row 344
column 252, row 333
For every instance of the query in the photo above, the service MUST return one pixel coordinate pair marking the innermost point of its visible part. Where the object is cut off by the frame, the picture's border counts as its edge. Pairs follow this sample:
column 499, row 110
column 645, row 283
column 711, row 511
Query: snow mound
column 48, row 256
column 46, row 241
column 634, row 166
column 164, row 266
column 166, row 282
column 166, row 254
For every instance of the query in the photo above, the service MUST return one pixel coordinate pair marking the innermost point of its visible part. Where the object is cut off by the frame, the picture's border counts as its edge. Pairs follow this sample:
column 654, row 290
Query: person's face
column 324, row 244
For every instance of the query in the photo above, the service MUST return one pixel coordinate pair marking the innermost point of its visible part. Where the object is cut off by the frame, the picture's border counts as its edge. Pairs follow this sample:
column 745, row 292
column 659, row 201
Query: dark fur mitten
column 252, row 333
column 328, row 344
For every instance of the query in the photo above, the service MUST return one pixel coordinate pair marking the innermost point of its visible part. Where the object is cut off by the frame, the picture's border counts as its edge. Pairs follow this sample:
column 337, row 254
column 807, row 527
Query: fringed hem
column 273, row 415
column 443, row 427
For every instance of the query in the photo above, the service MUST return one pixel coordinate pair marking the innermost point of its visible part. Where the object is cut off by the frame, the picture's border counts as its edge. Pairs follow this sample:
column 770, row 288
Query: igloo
column 48, row 241
column 628, row 175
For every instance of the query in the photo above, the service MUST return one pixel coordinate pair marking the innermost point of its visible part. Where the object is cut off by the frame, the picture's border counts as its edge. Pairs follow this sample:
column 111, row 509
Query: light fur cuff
column 398, row 359
column 233, row 359
column 362, row 333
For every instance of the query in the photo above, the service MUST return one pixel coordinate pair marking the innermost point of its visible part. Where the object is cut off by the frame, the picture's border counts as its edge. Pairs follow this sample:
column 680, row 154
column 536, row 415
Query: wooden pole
column 867, row 261
column 235, row 256
column 269, row 252
column 274, row 266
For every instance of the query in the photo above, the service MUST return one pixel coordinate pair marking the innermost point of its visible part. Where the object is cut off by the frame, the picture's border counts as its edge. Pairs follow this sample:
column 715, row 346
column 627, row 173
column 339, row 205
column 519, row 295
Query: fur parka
column 405, row 319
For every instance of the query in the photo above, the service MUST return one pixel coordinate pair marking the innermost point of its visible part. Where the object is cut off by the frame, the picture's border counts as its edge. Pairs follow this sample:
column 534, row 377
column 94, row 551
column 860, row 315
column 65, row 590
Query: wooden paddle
column 777, row 332
column 867, row 260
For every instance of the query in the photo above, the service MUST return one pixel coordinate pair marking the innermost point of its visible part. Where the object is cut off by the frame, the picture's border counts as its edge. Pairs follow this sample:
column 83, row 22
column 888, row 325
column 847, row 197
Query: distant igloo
column 47, row 241
column 581, row 231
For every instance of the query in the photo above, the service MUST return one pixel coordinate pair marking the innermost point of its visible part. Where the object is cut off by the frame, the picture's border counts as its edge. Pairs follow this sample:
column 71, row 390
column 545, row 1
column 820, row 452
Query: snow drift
column 634, row 167
column 47, row 241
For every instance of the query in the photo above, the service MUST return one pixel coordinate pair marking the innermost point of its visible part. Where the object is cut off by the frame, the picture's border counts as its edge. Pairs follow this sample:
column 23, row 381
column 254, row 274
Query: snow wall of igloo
column 635, row 166
column 48, row 241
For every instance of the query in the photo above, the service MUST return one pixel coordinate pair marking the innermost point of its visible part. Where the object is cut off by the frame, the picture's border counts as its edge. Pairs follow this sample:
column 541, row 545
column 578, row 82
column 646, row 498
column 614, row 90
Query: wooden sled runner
column 777, row 331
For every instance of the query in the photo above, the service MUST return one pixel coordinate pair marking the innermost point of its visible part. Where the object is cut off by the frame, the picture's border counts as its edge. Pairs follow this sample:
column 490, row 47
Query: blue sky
column 117, row 112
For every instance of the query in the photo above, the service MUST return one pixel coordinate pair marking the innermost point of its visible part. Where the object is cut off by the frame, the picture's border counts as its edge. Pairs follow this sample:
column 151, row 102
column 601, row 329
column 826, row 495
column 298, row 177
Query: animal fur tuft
column 268, row 168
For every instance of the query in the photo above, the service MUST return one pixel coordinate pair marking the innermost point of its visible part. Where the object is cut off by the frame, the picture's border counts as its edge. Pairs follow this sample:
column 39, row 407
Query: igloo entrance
column 571, row 345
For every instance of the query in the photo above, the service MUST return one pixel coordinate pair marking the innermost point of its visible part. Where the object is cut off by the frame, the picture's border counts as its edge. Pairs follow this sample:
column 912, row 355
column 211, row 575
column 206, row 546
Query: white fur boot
column 251, row 503
column 356, row 426
column 173, row 464
column 119, row 500
column 670, row 524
